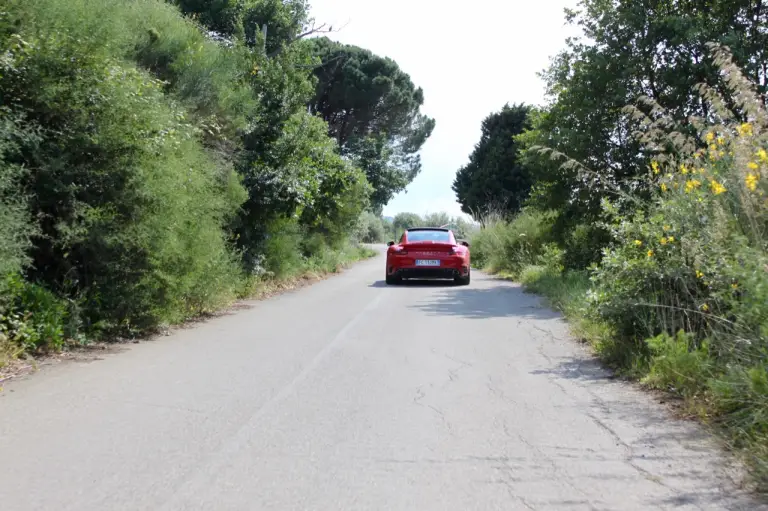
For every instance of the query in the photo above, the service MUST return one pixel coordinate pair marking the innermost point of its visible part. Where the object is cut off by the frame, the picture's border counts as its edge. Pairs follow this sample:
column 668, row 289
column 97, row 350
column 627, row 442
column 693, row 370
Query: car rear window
column 438, row 236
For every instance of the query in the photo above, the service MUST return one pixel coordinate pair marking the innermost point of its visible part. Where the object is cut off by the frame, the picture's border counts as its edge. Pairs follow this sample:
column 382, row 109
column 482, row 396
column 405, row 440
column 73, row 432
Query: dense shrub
column 696, row 259
column 510, row 245
column 131, row 206
column 371, row 229
column 35, row 319
column 584, row 245
column 151, row 170
column 16, row 226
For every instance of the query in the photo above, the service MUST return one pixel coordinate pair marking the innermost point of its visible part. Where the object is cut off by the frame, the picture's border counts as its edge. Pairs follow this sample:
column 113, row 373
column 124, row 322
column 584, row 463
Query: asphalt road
column 351, row 395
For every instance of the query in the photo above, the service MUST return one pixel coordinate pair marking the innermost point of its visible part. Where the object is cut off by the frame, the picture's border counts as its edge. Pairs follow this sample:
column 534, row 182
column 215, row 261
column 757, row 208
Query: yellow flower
column 763, row 155
column 691, row 185
column 666, row 228
column 753, row 166
column 751, row 181
column 655, row 167
column 663, row 187
column 721, row 154
column 650, row 253
column 716, row 187
column 745, row 130
column 699, row 274
column 638, row 243
column 705, row 307
column 735, row 286
column 720, row 140
column 663, row 241
column 710, row 136
column 683, row 168
column 671, row 239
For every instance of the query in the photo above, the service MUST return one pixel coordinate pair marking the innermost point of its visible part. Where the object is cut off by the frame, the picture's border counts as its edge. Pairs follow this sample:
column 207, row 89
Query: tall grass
column 509, row 245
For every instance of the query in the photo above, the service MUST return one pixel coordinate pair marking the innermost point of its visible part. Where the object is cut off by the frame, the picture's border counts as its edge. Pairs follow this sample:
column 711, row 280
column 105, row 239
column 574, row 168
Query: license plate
column 427, row 262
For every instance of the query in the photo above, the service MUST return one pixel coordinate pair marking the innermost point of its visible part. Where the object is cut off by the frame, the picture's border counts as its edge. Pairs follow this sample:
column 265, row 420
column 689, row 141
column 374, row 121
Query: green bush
column 33, row 318
column 16, row 226
column 283, row 256
column 149, row 173
column 509, row 246
column 679, row 363
column 370, row 229
column 209, row 77
column 135, row 206
column 584, row 246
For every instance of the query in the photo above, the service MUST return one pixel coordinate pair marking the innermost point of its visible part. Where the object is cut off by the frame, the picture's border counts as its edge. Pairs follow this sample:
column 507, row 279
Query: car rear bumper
column 427, row 273
column 448, row 269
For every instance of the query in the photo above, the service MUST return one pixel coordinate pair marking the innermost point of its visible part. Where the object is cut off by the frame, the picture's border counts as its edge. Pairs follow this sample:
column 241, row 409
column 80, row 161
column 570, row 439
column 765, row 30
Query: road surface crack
column 417, row 401
column 556, row 469
column 630, row 454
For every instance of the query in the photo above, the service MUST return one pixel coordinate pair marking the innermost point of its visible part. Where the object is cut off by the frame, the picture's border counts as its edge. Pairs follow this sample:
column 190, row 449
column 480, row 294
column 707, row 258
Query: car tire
column 391, row 280
column 464, row 281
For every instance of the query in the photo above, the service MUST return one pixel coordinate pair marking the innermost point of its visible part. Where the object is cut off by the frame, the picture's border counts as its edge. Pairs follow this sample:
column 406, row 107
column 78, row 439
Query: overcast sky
column 469, row 59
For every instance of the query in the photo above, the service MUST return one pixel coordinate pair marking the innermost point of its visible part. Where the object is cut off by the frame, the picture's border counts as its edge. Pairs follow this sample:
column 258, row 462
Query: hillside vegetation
column 160, row 159
column 644, row 214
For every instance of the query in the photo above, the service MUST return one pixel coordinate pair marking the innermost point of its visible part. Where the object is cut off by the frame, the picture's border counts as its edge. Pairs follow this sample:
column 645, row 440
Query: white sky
column 469, row 57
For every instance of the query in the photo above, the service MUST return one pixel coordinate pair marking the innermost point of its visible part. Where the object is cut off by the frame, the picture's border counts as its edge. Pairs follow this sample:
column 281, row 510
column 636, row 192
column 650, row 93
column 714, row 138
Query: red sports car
column 428, row 253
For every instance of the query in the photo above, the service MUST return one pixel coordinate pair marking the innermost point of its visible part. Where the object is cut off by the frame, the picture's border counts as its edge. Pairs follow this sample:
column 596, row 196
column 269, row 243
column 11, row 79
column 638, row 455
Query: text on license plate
column 427, row 262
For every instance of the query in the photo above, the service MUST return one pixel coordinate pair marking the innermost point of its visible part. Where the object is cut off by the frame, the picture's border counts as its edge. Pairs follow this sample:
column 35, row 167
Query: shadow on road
column 675, row 457
column 482, row 303
column 415, row 283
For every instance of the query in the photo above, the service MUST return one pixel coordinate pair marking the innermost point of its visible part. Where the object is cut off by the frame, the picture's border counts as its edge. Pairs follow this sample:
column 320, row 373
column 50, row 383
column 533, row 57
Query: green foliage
column 741, row 395
column 371, row 229
column 678, row 363
column 629, row 50
column 145, row 162
column 509, row 246
column 405, row 221
column 243, row 19
column 584, row 244
column 436, row 219
column 33, row 318
column 372, row 110
column 495, row 179
column 222, row 16
column 16, row 227
column 132, row 206
column 283, row 254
